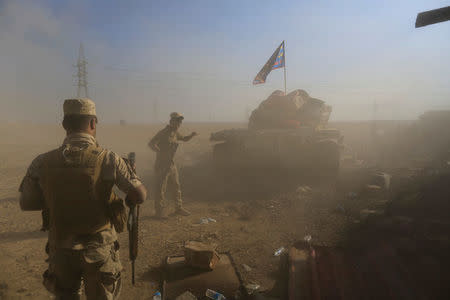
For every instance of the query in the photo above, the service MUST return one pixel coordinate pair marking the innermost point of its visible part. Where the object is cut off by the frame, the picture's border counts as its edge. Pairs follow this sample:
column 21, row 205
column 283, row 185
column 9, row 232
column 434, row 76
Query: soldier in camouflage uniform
column 73, row 185
column 165, row 144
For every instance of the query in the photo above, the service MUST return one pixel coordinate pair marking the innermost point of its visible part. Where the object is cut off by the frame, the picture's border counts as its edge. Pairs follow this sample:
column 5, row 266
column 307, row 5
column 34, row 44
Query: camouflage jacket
column 167, row 141
column 114, row 169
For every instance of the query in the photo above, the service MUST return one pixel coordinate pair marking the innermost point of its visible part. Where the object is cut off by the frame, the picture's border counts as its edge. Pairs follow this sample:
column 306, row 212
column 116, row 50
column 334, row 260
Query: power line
column 81, row 74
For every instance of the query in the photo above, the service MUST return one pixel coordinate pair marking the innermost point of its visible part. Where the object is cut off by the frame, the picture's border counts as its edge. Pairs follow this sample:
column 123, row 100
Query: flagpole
column 284, row 49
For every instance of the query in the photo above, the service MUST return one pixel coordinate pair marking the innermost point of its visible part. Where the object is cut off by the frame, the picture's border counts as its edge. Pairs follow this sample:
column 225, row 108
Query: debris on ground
column 186, row 296
column 279, row 251
column 201, row 255
column 214, row 295
column 203, row 221
column 251, row 288
column 246, row 267
column 157, row 295
column 303, row 189
column 207, row 220
column 307, row 238
column 179, row 276
column 373, row 188
column 381, row 179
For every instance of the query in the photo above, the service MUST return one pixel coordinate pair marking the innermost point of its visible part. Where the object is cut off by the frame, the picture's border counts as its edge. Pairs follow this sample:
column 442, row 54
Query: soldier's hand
column 136, row 195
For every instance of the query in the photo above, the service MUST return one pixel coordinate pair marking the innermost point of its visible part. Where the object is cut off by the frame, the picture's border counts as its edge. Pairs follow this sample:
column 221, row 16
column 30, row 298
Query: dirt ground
column 255, row 215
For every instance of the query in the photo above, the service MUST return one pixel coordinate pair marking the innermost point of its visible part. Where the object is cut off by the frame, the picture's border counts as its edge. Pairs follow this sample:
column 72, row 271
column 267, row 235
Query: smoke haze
column 148, row 58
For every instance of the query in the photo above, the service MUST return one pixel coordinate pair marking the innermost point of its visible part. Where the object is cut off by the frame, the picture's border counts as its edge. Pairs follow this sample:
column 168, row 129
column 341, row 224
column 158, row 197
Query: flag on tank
column 276, row 61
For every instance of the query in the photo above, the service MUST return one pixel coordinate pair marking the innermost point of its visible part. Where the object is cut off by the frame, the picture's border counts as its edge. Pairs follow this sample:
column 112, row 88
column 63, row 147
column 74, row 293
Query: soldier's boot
column 182, row 211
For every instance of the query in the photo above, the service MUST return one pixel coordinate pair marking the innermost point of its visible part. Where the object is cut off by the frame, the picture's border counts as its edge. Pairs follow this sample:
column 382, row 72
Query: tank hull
column 299, row 150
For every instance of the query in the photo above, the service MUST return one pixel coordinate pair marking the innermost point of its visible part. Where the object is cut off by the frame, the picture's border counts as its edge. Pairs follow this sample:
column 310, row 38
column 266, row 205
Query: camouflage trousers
column 167, row 176
column 98, row 268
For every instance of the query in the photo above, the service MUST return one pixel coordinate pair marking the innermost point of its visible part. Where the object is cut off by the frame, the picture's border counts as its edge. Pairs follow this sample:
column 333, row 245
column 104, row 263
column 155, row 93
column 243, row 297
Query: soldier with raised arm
column 165, row 144
column 73, row 186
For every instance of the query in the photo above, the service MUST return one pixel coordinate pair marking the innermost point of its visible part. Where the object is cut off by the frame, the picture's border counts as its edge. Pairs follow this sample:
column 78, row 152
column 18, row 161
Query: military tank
column 286, row 132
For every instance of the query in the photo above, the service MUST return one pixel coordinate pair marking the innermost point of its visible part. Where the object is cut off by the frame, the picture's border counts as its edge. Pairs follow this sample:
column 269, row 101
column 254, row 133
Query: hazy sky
column 200, row 57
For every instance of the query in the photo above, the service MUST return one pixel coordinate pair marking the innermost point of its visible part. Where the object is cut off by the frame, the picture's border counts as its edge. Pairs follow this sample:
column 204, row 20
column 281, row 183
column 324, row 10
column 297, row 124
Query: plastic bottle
column 157, row 296
column 279, row 251
column 214, row 295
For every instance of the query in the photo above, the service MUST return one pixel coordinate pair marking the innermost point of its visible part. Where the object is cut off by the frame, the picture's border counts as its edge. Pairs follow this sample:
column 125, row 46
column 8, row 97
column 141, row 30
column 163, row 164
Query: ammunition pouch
column 117, row 213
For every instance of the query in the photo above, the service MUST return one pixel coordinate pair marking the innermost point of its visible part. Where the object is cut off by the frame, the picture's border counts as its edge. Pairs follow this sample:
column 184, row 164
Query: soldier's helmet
column 79, row 106
column 176, row 116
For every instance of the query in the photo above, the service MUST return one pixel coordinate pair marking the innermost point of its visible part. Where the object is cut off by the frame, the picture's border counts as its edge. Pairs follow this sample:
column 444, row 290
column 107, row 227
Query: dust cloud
column 374, row 214
column 142, row 65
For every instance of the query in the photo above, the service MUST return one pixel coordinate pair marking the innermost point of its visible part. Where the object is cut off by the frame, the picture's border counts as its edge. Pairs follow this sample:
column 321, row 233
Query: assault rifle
column 132, row 224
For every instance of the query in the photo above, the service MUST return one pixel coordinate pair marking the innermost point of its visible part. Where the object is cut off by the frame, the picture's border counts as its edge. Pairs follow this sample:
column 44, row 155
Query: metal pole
column 284, row 49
